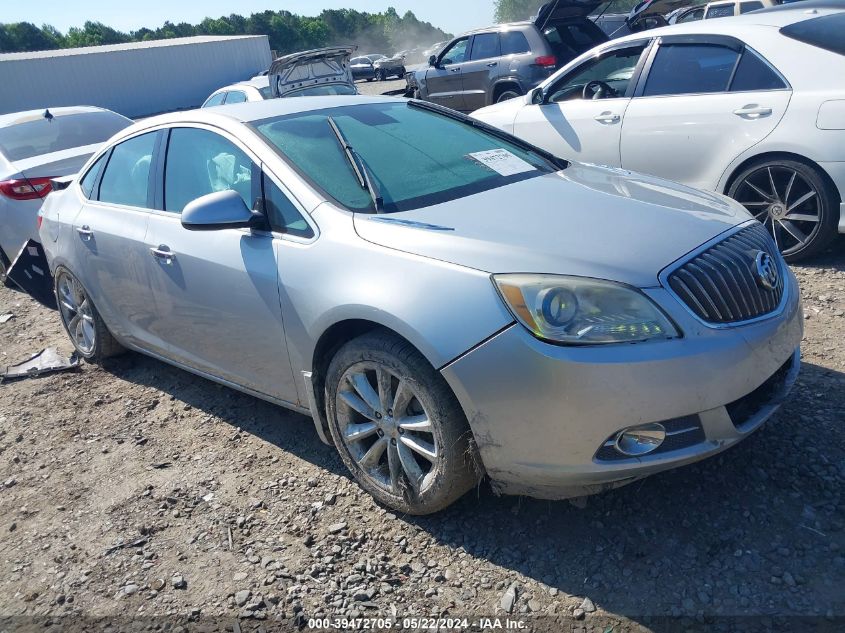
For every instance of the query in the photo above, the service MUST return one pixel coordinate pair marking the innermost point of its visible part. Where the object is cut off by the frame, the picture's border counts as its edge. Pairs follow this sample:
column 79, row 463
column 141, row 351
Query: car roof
column 16, row 118
column 251, row 111
column 256, row 82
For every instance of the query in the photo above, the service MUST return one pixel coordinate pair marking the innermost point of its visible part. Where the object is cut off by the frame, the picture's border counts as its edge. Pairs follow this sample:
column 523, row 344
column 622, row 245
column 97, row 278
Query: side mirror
column 432, row 61
column 220, row 210
column 537, row 97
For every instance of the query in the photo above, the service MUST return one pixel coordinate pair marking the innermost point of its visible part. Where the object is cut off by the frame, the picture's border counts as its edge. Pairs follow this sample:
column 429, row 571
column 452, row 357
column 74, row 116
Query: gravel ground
column 140, row 490
column 380, row 87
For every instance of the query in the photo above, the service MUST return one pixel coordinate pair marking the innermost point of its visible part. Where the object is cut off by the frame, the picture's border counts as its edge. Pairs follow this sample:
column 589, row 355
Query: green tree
column 513, row 10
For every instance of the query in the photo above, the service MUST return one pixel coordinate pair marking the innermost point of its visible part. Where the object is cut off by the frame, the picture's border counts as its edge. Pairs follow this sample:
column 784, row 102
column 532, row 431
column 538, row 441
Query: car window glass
column 215, row 100
column 691, row 16
column 513, row 43
column 824, row 32
column 36, row 135
column 235, row 97
column 200, row 162
column 127, row 176
column 485, row 46
column 720, row 11
column 456, row 54
column 266, row 93
column 753, row 73
column 87, row 182
column 282, row 213
column 614, row 69
column 568, row 40
column 745, row 7
column 690, row 69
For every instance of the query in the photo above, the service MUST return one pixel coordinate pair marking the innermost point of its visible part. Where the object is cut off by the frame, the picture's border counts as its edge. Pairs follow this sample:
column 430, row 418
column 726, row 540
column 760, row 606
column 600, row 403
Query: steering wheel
column 597, row 89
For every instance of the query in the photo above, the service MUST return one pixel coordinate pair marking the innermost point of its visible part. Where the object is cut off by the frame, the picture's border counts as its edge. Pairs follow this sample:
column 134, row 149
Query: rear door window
column 690, row 69
column 236, row 96
column 485, row 46
column 126, row 180
column 753, row 73
column 200, row 162
column 514, row 43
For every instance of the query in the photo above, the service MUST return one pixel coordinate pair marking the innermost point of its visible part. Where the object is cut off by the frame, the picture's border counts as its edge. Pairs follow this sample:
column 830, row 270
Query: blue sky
column 451, row 15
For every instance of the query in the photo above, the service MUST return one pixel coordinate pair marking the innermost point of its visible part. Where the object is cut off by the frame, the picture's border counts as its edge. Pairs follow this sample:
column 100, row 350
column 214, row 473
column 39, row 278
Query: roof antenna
column 48, row 115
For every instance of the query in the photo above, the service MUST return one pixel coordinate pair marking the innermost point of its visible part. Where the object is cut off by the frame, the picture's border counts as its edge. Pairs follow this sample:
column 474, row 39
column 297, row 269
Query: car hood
column 585, row 220
column 316, row 67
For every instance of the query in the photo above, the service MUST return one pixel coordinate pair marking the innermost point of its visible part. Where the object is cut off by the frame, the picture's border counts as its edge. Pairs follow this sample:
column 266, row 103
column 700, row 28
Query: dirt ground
column 138, row 491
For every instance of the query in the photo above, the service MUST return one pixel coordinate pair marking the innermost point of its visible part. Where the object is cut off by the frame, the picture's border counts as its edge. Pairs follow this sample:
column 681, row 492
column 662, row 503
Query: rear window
column 40, row 136
column 266, row 92
column 746, row 7
column 824, row 32
column 325, row 90
column 720, row 11
column 514, row 43
column 417, row 158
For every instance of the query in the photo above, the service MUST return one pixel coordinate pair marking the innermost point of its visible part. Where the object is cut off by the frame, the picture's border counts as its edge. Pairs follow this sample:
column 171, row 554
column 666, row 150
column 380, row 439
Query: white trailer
column 136, row 79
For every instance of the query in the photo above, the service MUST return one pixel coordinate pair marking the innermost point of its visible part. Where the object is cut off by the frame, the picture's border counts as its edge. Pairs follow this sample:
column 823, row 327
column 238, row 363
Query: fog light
column 640, row 440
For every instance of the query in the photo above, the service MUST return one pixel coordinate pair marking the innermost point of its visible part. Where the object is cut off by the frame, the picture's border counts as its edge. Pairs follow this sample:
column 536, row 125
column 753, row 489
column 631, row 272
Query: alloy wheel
column 386, row 429
column 787, row 204
column 77, row 316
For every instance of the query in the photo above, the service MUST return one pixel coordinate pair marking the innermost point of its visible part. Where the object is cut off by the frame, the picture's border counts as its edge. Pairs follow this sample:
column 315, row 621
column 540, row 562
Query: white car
column 751, row 106
column 256, row 89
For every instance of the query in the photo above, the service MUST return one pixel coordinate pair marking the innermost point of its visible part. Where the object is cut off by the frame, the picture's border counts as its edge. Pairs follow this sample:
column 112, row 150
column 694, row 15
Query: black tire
column 382, row 75
column 401, row 73
column 104, row 344
column 823, row 204
column 455, row 470
column 507, row 94
column 4, row 266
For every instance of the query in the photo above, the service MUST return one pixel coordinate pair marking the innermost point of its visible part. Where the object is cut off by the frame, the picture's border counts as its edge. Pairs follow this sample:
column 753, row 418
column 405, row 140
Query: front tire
column 508, row 94
column 397, row 425
column 83, row 324
column 793, row 201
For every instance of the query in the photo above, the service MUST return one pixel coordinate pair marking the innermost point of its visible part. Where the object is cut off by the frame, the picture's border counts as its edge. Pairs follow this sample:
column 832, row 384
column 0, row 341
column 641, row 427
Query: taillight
column 25, row 188
column 546, row 61
column 40, row 219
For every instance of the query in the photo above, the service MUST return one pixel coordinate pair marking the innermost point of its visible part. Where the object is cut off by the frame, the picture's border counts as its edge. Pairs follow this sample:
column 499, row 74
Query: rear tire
column 80, row 319
column 507, row 94
column 794, row 202
column 421, row 460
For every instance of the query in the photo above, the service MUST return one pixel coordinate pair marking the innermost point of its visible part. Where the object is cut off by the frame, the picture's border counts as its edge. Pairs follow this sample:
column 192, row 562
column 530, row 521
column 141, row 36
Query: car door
column 702, row 101
column 109, row 233
column 443, row 80
column 216, row 292
column 586, row 129
column 479, row 73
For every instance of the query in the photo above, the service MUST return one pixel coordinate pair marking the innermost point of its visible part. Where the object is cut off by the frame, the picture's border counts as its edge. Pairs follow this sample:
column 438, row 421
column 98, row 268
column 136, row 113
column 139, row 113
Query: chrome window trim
column 663, row 278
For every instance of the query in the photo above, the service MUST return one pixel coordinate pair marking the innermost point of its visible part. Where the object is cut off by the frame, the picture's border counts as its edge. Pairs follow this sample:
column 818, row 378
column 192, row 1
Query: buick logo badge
column 767, row 271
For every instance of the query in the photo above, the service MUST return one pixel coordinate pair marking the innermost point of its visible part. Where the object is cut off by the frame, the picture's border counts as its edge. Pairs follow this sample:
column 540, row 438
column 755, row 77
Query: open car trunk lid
column 311, row 68
column 655, row 8
column 563, row 10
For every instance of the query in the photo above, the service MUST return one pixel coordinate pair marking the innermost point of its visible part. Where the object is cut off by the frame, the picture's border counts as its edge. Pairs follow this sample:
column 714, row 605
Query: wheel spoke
column 360, row 383
column 418, row 423
column 357, row 432
column 394, row 466
column 403, row 398
column 772, row 183
column 354, row 401
column 74, row 323
column 762, row 193
column 371, row 458
column 800, row 201
column 775, row 234
column 412, row 470
column 760, row 215
column 85, row 310
column 789, row 188
column 385, row 389
column 793, row 230
column 420, row 446
column 802, row 217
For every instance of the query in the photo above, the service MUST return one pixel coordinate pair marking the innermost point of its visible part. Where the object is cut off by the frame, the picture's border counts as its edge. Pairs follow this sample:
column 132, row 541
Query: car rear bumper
column 543, row 415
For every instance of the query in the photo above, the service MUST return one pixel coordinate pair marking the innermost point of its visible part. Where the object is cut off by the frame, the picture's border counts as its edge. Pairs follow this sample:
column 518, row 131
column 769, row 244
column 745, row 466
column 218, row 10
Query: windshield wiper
column 359, row 166
column 557, row 163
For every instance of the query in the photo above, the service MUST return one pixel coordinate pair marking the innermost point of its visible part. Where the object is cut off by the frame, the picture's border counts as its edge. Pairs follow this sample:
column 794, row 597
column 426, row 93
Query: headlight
column 582, row 311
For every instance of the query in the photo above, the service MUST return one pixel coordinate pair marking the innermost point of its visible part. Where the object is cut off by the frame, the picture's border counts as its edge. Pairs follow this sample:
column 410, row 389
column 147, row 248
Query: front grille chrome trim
column 728, row 245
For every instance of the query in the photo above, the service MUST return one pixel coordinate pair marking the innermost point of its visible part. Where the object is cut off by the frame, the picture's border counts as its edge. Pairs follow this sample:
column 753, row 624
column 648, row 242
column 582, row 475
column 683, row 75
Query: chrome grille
column 721, row 284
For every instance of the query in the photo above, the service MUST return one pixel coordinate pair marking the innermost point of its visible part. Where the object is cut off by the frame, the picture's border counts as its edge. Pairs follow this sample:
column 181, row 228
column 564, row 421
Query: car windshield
column 417, row 157
column 40, row 136
column 329, row 90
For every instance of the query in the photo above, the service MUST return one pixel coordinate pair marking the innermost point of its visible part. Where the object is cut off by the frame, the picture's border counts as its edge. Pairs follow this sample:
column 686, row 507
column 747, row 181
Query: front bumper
column 541, row 414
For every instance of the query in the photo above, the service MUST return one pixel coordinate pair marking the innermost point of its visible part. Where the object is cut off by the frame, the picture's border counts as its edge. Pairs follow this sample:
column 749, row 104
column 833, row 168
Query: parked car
column 363, row 68
column 390, row 66
column 751, row 107
column 505, row 61
column 256, row 89
column 35, row 147
column 718, row 10
column 435, row 328
column 319, row 72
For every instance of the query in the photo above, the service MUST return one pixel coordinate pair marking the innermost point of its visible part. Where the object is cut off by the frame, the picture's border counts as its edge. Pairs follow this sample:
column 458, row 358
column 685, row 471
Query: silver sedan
column 444, row 300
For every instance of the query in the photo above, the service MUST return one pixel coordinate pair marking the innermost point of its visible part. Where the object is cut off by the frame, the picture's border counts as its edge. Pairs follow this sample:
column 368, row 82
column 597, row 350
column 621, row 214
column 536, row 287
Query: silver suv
column 504, row 61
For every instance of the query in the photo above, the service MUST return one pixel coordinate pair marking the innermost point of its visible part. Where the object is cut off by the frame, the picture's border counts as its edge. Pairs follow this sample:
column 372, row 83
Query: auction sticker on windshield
column 503, row 162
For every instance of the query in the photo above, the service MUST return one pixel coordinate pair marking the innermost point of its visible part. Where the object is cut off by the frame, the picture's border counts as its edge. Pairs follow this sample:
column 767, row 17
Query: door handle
column 753, row 111
column 455, row 70
column 85, row 232
column 608, row 118
column 492, row 64
column 163, row 254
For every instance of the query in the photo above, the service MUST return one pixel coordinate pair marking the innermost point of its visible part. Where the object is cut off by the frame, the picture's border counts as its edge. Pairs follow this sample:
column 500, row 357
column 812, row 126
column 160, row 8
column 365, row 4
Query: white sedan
column 751, row 106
